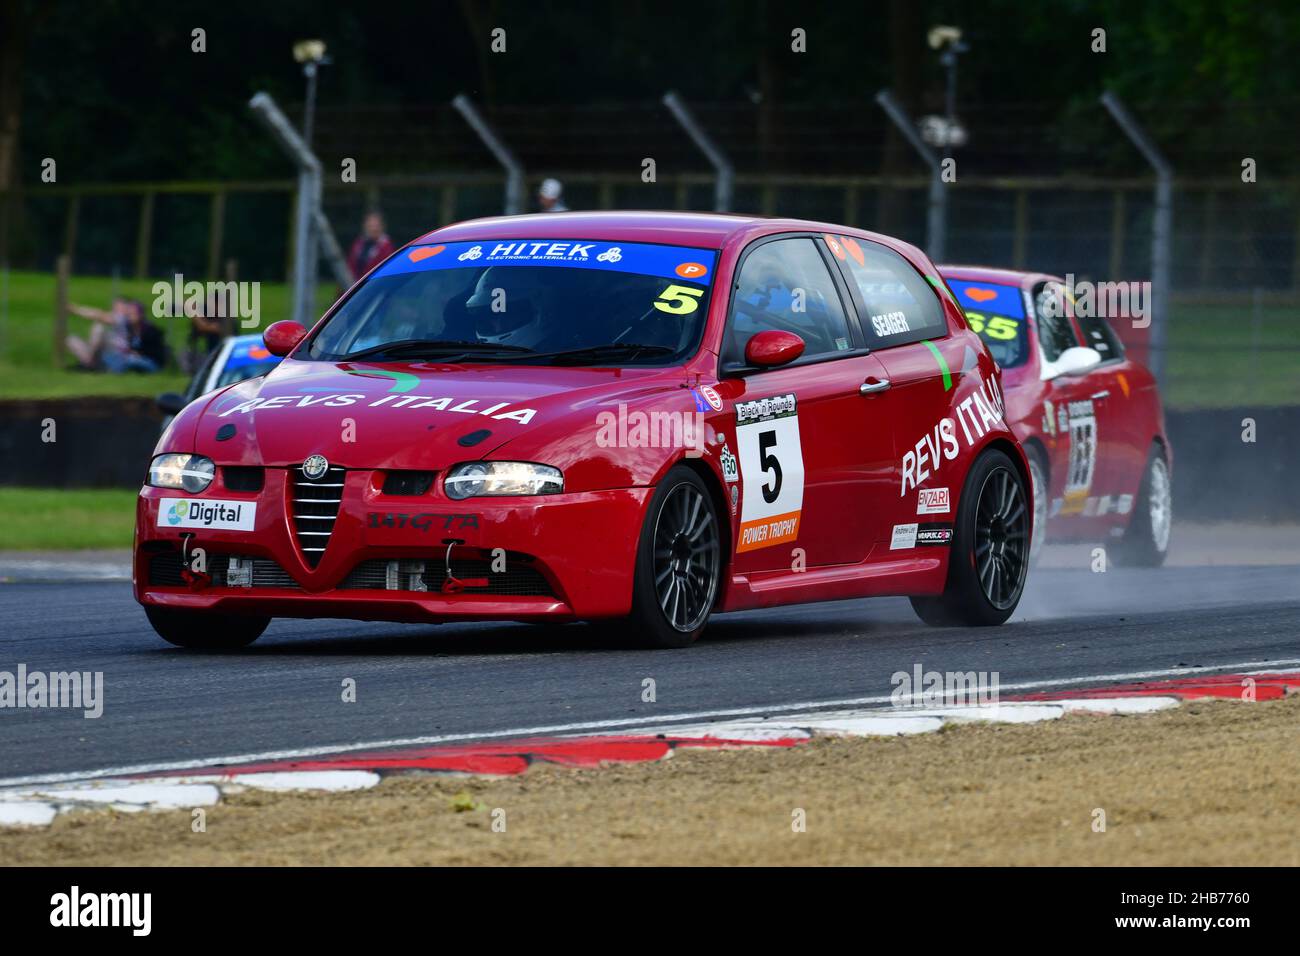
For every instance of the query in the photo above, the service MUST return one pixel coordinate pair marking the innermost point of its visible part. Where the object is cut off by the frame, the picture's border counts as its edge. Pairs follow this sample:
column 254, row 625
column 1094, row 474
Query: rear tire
column 1146, row 540
column 989, row 555
column 678, row 562
column 200, row 630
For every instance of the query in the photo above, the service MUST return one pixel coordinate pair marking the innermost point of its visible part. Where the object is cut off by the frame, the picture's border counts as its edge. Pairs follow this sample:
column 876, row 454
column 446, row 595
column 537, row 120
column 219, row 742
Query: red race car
column 638, row 416
column 1088, row 415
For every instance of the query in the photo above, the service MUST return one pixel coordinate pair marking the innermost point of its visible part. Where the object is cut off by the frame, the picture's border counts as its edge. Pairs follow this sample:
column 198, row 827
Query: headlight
column 486, row 478
column 191, row 473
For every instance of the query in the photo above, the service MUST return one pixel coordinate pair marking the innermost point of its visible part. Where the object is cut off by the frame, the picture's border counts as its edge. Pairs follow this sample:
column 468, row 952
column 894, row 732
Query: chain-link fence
column 1233, row 334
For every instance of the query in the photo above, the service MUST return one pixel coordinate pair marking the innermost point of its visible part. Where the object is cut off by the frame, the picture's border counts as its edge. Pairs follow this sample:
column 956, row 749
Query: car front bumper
column 396, row 558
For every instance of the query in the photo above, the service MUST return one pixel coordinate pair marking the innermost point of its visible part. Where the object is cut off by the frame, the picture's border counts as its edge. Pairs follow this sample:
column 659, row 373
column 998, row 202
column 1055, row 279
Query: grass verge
column 1206, row 784
column 36, row 519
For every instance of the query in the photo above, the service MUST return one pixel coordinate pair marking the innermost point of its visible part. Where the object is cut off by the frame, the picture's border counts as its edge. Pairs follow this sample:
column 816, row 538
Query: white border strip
column 583, row 727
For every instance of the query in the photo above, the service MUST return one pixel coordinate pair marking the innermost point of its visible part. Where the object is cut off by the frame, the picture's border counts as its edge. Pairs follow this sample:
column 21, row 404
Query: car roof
column 707, row 230
column 1014, row 277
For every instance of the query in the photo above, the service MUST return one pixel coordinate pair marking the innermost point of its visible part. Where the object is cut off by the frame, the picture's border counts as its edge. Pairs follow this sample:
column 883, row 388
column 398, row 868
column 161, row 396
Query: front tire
column 1146, row 540
column 200, row 630
column 678, row 562
column 989, row 555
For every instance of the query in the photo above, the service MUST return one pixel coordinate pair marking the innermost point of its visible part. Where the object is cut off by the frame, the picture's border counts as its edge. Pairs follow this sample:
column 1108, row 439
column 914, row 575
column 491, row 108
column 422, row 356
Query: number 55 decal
column 771, row 466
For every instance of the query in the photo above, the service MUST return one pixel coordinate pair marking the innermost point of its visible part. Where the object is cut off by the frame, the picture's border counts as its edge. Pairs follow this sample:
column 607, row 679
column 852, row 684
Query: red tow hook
column 197, row 580
column 452, row 584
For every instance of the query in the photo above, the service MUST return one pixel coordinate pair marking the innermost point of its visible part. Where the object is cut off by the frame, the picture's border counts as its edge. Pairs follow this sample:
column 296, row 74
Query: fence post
column 307, row 216
column 1207, row 239
column 1021, row 229
column 70, row 225
column 143, row 236
column 724, row 185
column 216, row 226
column 1161, row 232
column 63, row 271
column 447, row 213
column 1118, row 226
column 514, row 169
column 851, row 204
column 936, row 223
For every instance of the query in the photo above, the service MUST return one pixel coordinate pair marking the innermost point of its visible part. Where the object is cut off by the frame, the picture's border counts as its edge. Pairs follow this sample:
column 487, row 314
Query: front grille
column 242, row 477
column 520, row 579
column 266, row 573
column 314, row 506
column 165, row 571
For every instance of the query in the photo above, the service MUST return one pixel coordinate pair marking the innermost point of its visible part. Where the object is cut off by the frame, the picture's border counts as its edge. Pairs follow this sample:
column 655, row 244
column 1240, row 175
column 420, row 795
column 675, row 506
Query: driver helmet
column 505, row 306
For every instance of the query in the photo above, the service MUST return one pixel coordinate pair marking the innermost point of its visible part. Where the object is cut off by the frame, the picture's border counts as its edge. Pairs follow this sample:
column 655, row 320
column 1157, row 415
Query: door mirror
column 170, row 403
column 1073, row 361
column 283, row 337
column 772, row 347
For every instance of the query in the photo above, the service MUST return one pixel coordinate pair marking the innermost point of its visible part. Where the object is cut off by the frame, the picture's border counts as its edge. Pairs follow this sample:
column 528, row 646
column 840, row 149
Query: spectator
column 371, row 247
column 122, row 340
column 551, row 196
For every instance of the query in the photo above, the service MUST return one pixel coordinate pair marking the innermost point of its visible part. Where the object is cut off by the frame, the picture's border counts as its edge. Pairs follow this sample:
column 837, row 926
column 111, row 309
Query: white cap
column 551, row 189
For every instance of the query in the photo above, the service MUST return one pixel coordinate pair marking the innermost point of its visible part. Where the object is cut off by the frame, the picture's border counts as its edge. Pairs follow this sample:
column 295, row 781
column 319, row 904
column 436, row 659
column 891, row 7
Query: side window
column 784, row 284
column 1098, row 334
column 1055, row 333
column 898, row 305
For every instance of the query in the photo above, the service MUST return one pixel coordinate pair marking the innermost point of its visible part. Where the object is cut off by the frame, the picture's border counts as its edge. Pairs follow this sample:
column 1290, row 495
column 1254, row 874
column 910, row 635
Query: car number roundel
column 771, row 466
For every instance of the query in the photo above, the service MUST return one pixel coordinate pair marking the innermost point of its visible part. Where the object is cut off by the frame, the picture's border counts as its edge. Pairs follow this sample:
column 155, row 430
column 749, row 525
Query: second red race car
column 645, row 417
column 1089, row 416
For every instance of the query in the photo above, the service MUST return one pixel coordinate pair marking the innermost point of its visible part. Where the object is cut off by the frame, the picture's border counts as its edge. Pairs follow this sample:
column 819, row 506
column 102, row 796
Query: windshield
column 996, row 313
column 512, row 300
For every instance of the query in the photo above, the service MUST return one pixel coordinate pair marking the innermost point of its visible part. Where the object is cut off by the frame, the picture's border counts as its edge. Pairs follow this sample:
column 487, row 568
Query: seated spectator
column 122, row 340
column 371, row 247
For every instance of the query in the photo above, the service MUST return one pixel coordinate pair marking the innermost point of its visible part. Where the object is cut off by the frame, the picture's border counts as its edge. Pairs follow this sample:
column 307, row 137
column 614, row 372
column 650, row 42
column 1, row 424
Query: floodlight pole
column 724, row 183
column 496, row 145
column 308, row 215
column 1161, row 232
column 937, row 212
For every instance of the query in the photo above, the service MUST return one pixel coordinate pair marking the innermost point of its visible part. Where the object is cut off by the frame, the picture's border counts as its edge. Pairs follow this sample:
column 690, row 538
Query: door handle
column 871, row 386
column 1098, row 396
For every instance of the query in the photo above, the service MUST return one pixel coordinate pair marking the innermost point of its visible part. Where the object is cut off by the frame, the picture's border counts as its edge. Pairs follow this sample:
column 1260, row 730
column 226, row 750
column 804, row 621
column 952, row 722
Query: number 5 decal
column 771, row 467
column 769, row 462
column 679, row 300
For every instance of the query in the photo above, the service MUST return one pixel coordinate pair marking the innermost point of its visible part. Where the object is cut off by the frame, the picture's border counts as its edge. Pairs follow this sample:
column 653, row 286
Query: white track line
column 597, row 725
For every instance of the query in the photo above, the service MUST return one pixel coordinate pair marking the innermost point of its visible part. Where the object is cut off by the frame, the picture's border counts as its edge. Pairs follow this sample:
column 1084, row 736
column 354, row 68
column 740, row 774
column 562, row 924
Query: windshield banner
column 679, row 263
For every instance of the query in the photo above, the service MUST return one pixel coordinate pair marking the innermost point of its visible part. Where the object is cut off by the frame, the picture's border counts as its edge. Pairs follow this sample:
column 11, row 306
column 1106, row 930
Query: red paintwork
column 584, row 539
column 501, row 759
column 283, row 337
column 1129, row 420
column 772, row 348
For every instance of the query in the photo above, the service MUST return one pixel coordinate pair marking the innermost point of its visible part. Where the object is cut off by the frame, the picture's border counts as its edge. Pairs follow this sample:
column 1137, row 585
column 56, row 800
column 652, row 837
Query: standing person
column 371, row 247
column 551, row 196
column 122, row 340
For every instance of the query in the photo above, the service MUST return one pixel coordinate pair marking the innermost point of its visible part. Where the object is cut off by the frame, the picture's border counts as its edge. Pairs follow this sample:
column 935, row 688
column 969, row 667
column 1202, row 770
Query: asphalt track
column 163, row 705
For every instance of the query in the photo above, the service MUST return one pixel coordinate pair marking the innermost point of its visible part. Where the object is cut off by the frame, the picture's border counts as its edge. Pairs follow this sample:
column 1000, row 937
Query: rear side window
column 1098, row 334
column 784, row 284
column 897, row 305
column 1055, row 333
